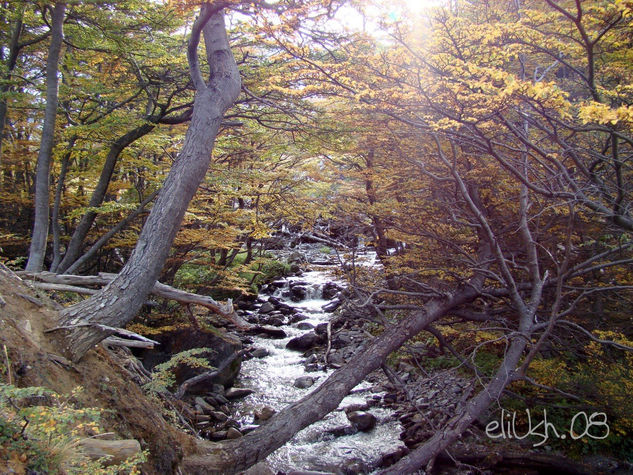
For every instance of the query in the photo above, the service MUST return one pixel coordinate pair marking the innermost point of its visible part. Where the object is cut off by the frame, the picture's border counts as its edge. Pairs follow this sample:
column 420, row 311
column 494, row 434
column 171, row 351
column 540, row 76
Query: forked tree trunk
column 119, row 301
column 37, row 251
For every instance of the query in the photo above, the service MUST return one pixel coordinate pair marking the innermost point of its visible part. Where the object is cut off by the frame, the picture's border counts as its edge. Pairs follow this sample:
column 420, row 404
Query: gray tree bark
column 119, row 301
column 236, row 455
column 37, row 251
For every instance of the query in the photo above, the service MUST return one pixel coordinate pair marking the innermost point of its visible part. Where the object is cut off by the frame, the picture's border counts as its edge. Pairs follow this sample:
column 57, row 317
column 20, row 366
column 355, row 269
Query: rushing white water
column 272, row 378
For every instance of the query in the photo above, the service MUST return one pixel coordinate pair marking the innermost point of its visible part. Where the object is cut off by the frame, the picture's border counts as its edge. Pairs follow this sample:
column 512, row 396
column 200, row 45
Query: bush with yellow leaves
column 41, row 431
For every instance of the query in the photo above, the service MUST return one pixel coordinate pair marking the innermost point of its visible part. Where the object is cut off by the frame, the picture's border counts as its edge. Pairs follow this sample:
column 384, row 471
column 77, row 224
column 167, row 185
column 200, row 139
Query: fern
column 163, row 376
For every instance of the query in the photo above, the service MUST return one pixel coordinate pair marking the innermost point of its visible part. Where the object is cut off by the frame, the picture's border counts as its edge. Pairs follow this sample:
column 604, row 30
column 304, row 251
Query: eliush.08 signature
column 593, row 426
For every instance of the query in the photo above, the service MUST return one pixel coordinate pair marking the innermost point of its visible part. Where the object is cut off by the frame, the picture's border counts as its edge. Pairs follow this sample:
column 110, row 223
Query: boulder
column 204, row 406
column 298, row 293
column 305, row 342
column 330, row 289
column 300, row 283
column 341, row 340
column 275, row 322
column 216, row 398
column 363, row 421
column 260, row 353
column 219, row 416
column 361, row 406
column 336, row 360
column 304, row 382
column 236, row 393
column 331, row 306
column 246, row 305
column 264, row 330
column 264, row 413
column 285, row 309
column 217, row 436
column 233, row 433
column 342, row 431
column 304, row 326
column 298, row 317
column 210, row 398
column 266, row 307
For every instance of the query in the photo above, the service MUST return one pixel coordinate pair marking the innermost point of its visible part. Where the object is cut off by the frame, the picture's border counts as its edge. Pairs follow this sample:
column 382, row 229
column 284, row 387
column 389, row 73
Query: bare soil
column 37, row 359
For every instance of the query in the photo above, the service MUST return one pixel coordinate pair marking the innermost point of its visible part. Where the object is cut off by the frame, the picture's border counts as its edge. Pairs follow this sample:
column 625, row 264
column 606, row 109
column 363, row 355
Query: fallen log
column 129, row 339
column 184, row 387
column 115, row 341
column 64, row 288
column 488, row 459
column 78, row 283
column 116, row 451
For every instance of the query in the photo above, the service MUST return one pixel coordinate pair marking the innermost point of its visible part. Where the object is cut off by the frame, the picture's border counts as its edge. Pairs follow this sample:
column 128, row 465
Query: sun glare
column 377, row 12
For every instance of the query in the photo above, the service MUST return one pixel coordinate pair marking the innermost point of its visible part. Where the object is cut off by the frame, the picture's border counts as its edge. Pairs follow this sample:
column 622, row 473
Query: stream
column 319, row 447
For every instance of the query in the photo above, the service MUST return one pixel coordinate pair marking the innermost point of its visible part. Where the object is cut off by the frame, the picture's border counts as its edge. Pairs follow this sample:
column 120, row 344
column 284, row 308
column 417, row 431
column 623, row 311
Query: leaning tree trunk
column 37, row 251
column 236, row 455
column 119, row 302
column 73, row 251
column 458, row 424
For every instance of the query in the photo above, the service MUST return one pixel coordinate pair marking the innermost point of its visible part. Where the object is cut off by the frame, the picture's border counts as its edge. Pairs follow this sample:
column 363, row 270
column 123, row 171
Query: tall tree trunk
column 37, row 251
column 14, row 49
column 57, row 203
column 73, row 251
column 119, row 302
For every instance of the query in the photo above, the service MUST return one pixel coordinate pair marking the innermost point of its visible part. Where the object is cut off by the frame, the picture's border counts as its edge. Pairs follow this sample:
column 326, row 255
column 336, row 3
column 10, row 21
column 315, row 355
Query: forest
column 167, row 166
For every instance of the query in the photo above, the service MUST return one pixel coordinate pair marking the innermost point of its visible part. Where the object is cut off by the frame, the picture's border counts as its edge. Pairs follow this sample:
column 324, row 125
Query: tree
column 130, row 94
column 514, row 205
column 506, row 178
column 39, row 238
column 118, row 302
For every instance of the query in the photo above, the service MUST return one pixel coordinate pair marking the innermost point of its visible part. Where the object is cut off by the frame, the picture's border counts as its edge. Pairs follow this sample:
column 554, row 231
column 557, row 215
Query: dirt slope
column 37, row 359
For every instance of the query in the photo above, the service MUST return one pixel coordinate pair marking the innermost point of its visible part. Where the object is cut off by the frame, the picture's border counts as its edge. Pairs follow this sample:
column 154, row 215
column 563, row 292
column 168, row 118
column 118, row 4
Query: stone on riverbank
column 363, row 421
column 304, row 382
column 305, row 342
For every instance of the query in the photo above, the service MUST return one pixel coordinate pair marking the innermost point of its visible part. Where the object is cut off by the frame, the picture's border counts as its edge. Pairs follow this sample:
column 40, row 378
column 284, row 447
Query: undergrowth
column 41, row 431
